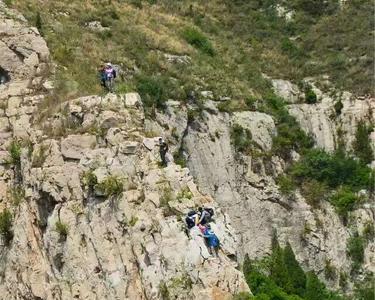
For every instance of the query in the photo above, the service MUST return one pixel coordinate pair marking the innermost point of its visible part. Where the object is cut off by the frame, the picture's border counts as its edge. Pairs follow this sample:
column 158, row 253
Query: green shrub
column 6, row 223
column 14, row 150
column 344, row 201
column 338, row 107
column 334, row 169
column 89, row 179
column 241, row 138
column 153, row 91
column 179, row 158
column 62, row 229
column 110, row 186
column 184, row 193
column 362, row 144
column 165, row 198
column 198, row 40
column 355, row 250
column 286, row 184
column 314, row 192
column 310, row 96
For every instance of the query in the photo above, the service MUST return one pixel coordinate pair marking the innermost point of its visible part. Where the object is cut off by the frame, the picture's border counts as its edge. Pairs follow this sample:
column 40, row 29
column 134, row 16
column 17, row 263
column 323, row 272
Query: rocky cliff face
column 244, row 185
column 94, row 216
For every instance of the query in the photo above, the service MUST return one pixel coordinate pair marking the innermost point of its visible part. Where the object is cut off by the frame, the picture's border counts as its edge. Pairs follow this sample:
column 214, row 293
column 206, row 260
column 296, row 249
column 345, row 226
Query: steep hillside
column 268, row 111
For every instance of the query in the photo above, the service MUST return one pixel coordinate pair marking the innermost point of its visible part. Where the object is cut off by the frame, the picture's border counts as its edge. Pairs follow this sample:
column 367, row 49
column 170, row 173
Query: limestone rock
column 74, row 146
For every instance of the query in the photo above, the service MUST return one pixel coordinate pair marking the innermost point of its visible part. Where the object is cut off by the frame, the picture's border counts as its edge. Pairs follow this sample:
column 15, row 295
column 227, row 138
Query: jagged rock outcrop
column 129, row 245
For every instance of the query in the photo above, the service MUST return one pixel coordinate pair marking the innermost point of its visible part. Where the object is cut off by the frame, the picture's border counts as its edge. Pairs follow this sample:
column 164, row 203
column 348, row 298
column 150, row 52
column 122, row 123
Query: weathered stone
column 75, row 146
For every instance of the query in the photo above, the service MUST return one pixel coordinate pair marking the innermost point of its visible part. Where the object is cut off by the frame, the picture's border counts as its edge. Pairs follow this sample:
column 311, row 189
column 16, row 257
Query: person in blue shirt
column 212, row 241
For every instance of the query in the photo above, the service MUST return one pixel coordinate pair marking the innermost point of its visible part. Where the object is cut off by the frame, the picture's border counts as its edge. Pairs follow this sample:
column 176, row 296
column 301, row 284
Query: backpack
column 210, row 211
column 190, row 222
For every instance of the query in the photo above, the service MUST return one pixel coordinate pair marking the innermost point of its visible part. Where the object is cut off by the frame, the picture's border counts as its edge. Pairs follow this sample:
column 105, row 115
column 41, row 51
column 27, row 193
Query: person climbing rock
column 205, row 215
column 163, row 151
column 212, row 241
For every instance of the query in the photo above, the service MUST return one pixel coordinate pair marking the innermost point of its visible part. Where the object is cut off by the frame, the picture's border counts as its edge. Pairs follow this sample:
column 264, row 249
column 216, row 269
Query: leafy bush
column 362, row 144
column 184, row 193
column 310, row 96
column 314, row 192
column 334, row 169
column 111, row 186
column 6, row 223
column 355, row 250
column 286, row 185
column 241, row 138
column 152, row 91
column 62, row 229
column 338, row 107
column 344, row 200
column 89, row 179
column 198, row 40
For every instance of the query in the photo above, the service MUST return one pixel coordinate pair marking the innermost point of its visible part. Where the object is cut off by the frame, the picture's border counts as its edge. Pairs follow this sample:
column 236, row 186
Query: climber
column 205, row 215
column 212, row 241
column 101, row 72
column 163, row 151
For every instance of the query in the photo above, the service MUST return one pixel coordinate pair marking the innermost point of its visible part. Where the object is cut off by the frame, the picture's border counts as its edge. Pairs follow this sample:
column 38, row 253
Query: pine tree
column 315, row 290
column 296, row 276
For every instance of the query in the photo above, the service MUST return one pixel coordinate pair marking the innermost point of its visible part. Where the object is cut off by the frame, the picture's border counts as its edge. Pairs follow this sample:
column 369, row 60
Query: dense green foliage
column 317, row 171
column 281, row 277
column 334, row 169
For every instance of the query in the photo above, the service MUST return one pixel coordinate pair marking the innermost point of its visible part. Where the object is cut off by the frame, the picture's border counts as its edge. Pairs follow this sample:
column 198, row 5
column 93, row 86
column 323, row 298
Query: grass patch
column 62, row 229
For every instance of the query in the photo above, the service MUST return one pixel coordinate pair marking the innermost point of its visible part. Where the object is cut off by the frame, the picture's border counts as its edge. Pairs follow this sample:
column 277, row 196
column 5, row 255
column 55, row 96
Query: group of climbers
column 201, row 219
